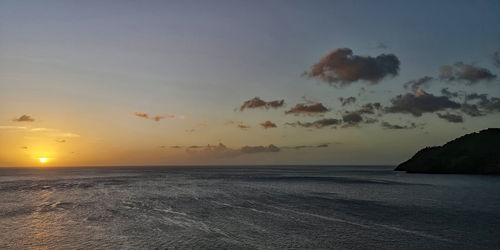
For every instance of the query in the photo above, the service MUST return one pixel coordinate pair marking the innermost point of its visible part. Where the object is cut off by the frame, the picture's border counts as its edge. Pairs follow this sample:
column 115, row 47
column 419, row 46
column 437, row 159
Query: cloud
column 347, row 101
column 268, row 124
column 242, row 126
column 451, row 94
column 238, row 124
column 259, row 149
column 155, row 118
column 451, row 117
column 471, row 110
column 221, row 150
column 12, row 127
column 318, row 123
column 484, row 103
column 141, row 115
column 419, row 103
column 478, row 104
column 307, row 109
column 43, row 130
column 352, row 118
column 24, row 147
column 68, row 135
column 387, row 125
column 298, row 147
column 24, row 118
column 256, row 102
column 414, row 85
column 340, row 67
column 475, row 104
column 202, row 125
column 60, row 140
column 369, row 120
column 369, row 108
column 465, row 72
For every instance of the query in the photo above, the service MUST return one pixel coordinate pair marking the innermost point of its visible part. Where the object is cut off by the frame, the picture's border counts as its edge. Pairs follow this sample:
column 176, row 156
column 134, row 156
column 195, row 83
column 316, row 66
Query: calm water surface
column 300, row 207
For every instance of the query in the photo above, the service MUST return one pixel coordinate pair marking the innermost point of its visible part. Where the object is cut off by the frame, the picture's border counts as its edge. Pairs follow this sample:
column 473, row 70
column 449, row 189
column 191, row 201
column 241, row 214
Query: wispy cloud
column 317, row 124
column 238, row 124
column 12, row 127
column 422, row 82
column 24, row 118
column 454, row 118
column 465, row 72
column 387, row 125
column 155, row 118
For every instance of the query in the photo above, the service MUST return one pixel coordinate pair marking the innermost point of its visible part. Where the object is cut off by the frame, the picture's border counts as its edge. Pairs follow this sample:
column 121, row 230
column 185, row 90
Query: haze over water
column 313, row 207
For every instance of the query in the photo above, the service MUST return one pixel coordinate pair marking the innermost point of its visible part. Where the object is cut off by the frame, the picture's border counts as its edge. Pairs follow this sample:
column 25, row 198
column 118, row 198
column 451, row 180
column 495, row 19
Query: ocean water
column 273, row 207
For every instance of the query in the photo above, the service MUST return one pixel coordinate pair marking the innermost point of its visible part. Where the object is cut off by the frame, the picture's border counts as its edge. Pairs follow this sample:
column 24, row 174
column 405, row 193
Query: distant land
column 475, row 153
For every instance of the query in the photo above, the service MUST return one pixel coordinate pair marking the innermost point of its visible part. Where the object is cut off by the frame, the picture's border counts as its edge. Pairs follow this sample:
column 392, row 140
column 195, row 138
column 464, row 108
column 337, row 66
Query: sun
column 43, row 160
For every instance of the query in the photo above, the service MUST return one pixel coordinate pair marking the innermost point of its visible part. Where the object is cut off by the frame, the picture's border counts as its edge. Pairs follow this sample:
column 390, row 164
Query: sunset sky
column 243, row 82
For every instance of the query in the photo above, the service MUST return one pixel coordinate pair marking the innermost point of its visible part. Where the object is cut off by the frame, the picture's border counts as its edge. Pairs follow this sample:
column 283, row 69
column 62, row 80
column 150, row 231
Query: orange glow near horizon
column 43, row 160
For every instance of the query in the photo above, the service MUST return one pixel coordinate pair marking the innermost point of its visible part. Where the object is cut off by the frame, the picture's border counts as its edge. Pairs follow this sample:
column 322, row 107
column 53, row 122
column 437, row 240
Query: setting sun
column 43, row 160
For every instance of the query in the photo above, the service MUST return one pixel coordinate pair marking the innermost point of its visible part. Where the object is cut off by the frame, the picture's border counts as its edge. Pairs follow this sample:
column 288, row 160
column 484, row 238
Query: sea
column 246, row 207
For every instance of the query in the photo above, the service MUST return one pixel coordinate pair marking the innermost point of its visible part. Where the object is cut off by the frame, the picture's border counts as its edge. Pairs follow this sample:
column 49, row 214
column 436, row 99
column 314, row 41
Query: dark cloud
column 491, row 104
column 24, row 147
column 318, row 123
column 465, row 72
column 323, row 145
column 141, row 115
column 352, row 118
column 369, row 108
column 340, row 67
column 481, row 103
column 451, row 117
column 24, row 118
column 221, row 150
column 419, row 103
column 475, row 96
column 422, row 82
column 268, row 124
column 259, row 149
column 451, row 94
column 370, row 120
column 475, row 104
column 256, row 102
column 347, row 101
column 387, row 125
column 471, row 110
column 155, row 118
column 307, row 109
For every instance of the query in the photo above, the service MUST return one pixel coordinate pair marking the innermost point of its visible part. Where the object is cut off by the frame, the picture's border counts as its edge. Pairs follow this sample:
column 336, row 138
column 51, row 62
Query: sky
column 97, row 83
